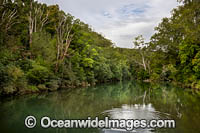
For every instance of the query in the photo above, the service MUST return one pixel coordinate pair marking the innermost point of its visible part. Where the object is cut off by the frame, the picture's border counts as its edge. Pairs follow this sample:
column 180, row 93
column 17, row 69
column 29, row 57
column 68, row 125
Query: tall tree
column 8, row 12
column 37, row 18
column 64, row 36
column 141, row 46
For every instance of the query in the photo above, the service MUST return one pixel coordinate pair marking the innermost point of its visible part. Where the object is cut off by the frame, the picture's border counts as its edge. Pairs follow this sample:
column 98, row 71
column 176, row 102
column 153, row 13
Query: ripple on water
column 136, row 111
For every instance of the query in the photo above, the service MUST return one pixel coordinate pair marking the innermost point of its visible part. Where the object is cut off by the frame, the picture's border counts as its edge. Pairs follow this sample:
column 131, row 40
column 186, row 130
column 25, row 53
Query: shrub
column 38, row 75
column 33, row 88
column 42, row 87
column 103, row 72
column 142, row 75
column 12, row 79
column 52, row 85
column 10, row 89
column 4, row 75
column 155, row 77
column 125, row 72
column 25, row 64
column 117, row 71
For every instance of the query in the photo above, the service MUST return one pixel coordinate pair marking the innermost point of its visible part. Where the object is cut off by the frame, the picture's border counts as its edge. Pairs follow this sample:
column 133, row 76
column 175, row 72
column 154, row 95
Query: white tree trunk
column 31, row 25
column 143, row 61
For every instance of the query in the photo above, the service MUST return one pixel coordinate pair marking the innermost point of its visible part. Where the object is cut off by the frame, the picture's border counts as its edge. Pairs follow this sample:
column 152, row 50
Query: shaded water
column 127, row 100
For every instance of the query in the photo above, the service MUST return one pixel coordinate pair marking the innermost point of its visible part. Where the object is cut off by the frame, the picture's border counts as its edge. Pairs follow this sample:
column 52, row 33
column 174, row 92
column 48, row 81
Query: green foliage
column 38, row 74
column 103, row 72
column 52, row 85
column 4, row 75
column 12, row 79
column 176, row 46
column 43, row 48
column 116, row 70
column 155, row 77
column 32, row 88
column 49, row 63
column 142, row 75
column 33, row 56
column 88, row 62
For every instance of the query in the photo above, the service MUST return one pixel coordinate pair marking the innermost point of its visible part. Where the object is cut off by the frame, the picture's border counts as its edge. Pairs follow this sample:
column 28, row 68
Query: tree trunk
column 31, row 24
column 143, row 61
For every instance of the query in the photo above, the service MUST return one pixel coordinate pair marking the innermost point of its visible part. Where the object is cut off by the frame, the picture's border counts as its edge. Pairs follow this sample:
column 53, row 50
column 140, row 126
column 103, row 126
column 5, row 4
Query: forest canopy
column 42, row 48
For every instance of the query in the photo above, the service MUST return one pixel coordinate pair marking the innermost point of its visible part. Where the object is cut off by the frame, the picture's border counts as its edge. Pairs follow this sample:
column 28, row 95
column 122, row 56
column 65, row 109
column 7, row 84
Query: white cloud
column 119, row 20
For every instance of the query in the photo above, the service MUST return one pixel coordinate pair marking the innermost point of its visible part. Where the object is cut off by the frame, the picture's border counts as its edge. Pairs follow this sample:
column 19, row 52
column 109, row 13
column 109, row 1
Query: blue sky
column 119, row 20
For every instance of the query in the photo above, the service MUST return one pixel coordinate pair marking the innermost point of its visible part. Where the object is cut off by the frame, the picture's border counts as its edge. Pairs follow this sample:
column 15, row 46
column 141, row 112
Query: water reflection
column 128, row 100
column 136, row 111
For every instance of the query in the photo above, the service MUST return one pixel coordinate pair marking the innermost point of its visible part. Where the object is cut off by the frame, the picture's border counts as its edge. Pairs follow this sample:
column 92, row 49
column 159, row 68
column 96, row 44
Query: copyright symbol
column 30, row 121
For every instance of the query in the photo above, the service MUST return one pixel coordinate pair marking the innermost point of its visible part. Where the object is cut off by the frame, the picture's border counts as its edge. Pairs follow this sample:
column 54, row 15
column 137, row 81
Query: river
column 125, row 100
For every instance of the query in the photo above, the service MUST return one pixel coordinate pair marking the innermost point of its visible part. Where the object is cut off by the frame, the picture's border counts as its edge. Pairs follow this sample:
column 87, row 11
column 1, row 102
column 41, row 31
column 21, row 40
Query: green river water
column 126, row 100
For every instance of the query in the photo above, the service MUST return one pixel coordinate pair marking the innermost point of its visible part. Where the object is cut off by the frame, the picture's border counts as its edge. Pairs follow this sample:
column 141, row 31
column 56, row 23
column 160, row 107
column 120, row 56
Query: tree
column 37, row 18
column 8, row 13
column 64, row 36
column 142, row 49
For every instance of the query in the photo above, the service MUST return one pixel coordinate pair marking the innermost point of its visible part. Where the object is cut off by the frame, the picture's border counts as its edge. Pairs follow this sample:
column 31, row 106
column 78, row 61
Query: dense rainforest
column 44, row 49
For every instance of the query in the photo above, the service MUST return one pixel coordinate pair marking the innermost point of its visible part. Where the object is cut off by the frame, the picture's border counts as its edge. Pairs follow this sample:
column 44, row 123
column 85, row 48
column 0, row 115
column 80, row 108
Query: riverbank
column 42, row 88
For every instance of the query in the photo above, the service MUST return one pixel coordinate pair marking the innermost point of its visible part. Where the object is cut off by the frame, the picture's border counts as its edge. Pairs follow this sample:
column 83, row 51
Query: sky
column 119, row 20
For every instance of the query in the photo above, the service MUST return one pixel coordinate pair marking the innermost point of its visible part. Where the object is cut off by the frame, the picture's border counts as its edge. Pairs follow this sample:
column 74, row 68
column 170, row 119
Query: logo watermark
column 106, row 123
